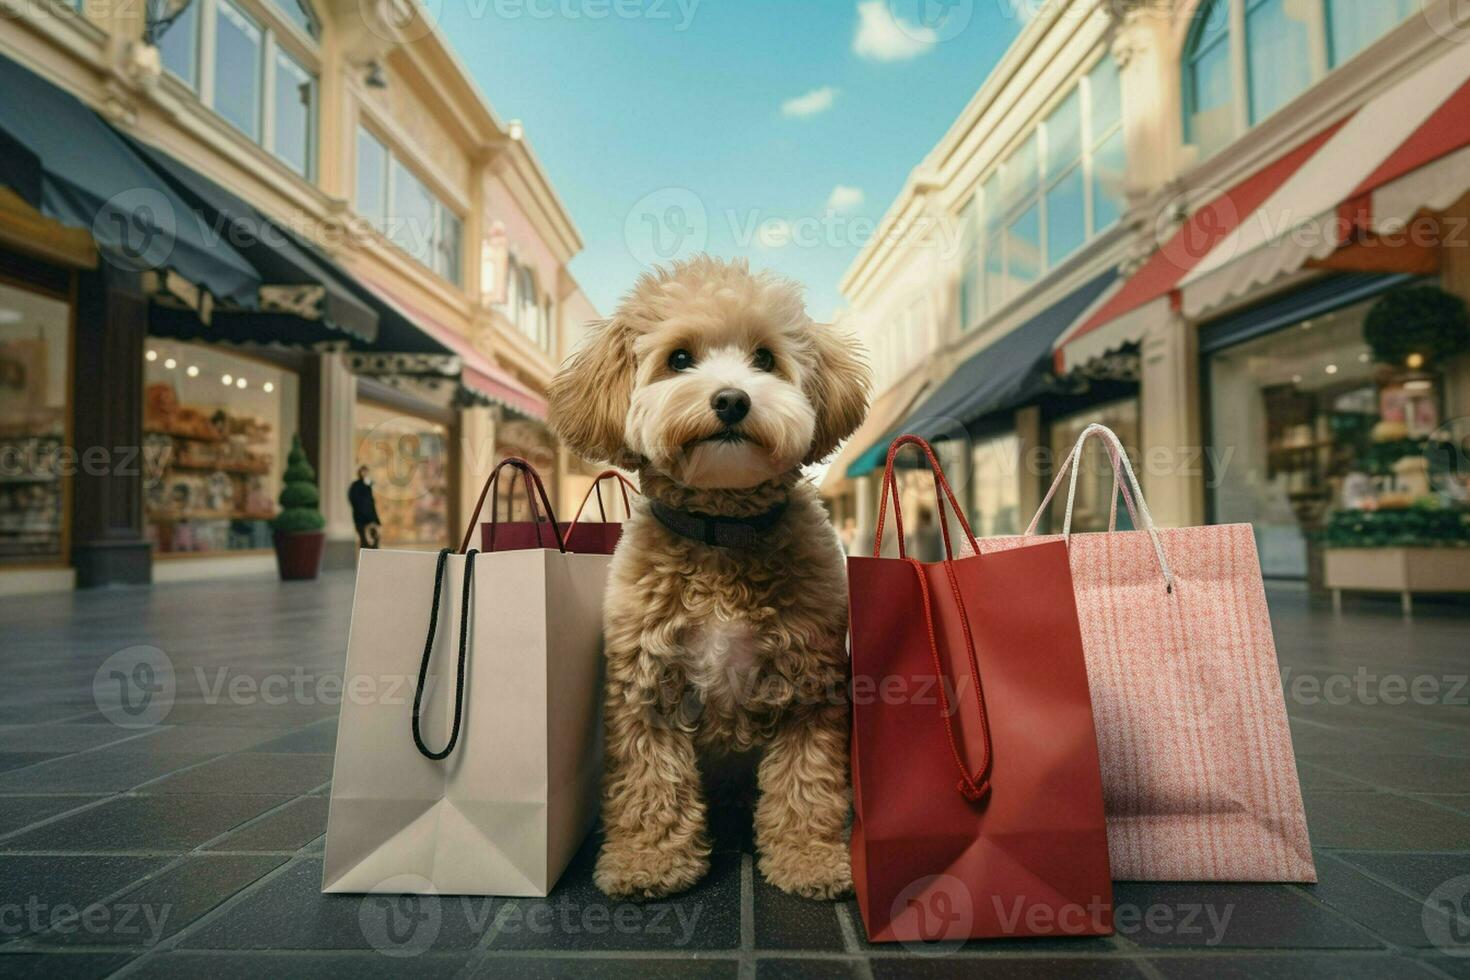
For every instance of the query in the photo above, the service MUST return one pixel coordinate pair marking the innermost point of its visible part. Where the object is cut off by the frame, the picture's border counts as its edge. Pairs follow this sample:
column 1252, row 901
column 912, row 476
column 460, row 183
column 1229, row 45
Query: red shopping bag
column 977, row 795
column 579, row 537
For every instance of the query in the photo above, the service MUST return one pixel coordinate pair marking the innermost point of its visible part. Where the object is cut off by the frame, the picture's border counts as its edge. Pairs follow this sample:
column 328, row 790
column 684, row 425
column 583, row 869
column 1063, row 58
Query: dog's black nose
column 730, row 405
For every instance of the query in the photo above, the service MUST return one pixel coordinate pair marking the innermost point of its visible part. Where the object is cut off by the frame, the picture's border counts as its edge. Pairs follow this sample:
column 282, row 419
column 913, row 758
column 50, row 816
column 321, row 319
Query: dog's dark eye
column 681, row 360
column 764, row 360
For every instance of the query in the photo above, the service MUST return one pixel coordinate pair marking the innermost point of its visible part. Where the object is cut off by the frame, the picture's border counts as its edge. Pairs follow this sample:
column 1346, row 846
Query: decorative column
column 1172, row 445
column 336, row 458
column 477, row 426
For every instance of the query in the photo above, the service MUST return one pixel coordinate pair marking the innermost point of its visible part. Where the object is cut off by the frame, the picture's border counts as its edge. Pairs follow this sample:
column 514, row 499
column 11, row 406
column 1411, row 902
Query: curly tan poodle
column 727, row 606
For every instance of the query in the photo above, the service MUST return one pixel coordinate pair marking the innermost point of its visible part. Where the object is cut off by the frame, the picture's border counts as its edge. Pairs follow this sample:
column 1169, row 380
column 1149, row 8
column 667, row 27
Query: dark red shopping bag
column 578, row 537
column 976, row 788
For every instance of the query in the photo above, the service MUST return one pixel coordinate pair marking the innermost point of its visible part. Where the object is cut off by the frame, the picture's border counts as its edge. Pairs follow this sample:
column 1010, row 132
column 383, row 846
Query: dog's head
column 712, row 374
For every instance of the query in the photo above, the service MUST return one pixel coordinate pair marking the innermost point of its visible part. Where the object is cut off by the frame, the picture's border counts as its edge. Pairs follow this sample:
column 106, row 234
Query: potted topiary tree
column 299, row 535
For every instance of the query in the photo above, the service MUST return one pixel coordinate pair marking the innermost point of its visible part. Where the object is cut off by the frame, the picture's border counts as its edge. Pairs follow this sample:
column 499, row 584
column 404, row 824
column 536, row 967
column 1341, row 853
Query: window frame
column 436, row 259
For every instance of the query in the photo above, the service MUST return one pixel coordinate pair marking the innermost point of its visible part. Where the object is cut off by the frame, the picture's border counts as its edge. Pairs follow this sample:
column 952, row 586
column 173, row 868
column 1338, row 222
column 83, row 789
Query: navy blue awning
column 77, row 170
column 1011, row 372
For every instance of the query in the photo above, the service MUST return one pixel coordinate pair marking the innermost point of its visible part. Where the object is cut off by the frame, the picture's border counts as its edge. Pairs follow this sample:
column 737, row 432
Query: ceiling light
column 1364, row 357
column 1331, row 369
column 10, row 316
column 1416, row 361
column 267, row 387
column 151, row 356
column 240, row 382
column 192, row 370
column 170, row 363
column 227, row 379
column 1296, row 379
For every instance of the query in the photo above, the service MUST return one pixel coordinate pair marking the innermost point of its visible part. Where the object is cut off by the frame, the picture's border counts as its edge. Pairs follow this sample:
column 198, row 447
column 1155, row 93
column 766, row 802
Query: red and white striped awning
column 1404, row 151
column 477, row 371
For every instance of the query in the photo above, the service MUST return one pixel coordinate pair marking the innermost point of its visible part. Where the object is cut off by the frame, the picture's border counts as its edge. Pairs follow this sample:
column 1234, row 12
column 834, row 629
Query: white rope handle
column 1119, row 458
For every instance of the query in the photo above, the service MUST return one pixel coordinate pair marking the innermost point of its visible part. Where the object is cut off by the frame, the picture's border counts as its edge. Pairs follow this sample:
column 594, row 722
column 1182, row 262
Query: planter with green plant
column 299, row 536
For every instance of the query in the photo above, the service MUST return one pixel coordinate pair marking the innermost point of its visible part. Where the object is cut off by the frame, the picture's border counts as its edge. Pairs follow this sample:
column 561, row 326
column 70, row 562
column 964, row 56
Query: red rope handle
column 940, row 485
column 972, row 787
column 528, row 472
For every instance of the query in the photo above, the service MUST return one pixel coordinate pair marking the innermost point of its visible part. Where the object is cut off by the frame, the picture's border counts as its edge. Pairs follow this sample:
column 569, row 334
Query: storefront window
column 1305, row 424
column 216, row 429
column 408, row 461
column 34, row 338
column 997, row 486
column 1095, row 482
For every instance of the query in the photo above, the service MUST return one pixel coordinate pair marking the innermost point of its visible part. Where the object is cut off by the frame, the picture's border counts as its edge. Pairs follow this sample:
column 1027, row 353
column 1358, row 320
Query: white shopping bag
column 494, row 788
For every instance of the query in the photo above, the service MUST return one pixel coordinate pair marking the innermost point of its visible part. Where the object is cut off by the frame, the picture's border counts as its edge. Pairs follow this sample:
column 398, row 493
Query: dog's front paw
column 639, row 869
column 811, row 869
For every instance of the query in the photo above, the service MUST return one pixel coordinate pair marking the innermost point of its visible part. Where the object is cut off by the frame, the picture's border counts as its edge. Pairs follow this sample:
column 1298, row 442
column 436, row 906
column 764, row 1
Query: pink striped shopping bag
column 1199, row 781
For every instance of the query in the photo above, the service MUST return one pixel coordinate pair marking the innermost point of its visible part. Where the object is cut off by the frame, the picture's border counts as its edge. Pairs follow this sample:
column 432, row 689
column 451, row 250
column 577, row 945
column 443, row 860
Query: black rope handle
column 464, row 629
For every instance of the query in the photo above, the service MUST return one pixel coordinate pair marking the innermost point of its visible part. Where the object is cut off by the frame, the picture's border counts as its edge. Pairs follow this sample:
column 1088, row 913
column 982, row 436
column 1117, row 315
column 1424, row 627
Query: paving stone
column 42, row 888
column 1455, row 801
column 1067, row 945
column 806, row 969
column 289, row 911
column 19, row 760
column 22, row 811
column 107, row 770
column 1405, row 771
column 785, row 921
column 207, row 738
column 592, row 968
column 1380, row 821
column 52, row 966
column 163, row 905
column 58, row 739
column 1418, row 874
column 189, row 965
column 1029, row 968
column 288, row 829
column 577, row 916
column 1376, row 907
column 1313, row 966
column 144, row 823
column 277, row 772
column 318, row 738
column 1221, row 915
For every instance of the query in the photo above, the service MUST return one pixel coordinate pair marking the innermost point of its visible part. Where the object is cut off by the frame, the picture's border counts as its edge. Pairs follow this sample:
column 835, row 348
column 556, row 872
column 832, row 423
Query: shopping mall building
column 224, row 223
column 1174, row 218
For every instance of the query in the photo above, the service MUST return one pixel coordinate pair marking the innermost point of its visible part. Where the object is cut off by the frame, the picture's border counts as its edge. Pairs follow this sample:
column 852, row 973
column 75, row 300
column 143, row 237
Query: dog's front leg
column 801, row 819
column 653, row 811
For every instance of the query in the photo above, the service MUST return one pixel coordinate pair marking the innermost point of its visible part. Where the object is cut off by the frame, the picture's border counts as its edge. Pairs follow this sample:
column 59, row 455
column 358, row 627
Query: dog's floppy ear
column 838, row 389
column 590, row 395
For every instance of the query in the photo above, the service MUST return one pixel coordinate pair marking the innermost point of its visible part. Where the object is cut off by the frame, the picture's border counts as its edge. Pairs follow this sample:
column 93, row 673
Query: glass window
column 1109, row 163
column 1280, row 57
column 1066, row 216
column 1023, row 251
column 1064, row 135
column 1105, row 91
column 971, row 283
column 178, row 49
column 237, row 62
column 1209, row 80
column 1019, row 176
column 1091, row 508
column 298, row 13
column 295, row 114
column 34, row 392
column 411, row 224
column 1296, row 410
column 408, row 460
column 217, row 427
column 997, row 482
column 372, row 179
column 1352, row 25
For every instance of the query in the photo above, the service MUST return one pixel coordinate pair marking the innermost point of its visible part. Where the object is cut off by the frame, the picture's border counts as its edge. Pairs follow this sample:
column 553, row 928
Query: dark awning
column 89, row 177
column 1011, row 372
column 303, row 300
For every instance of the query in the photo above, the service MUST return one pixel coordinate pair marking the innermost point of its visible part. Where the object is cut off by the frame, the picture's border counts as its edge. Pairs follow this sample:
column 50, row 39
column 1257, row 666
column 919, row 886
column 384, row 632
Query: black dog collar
column 715, row 530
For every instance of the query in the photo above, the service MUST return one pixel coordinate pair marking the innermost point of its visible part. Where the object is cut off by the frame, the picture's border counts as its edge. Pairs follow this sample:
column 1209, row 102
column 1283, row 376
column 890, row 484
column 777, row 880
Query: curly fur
column 708, row 649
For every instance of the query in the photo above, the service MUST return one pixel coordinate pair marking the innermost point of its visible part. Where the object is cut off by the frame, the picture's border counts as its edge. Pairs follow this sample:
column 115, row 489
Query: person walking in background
column 364, row 509
column 925, row 542
column 847, row 535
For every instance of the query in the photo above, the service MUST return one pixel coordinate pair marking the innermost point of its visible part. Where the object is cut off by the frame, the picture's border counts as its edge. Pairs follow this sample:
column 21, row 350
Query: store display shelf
column 1401, row 570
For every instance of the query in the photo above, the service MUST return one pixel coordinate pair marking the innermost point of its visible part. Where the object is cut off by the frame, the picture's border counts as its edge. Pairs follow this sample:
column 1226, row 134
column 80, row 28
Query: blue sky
column 667, row 125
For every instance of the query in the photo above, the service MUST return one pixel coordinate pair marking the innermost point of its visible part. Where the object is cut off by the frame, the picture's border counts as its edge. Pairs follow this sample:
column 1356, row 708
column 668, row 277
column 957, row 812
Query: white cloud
column 844, row 198
column 883, row 37
column 813, row 102
column 774, row 233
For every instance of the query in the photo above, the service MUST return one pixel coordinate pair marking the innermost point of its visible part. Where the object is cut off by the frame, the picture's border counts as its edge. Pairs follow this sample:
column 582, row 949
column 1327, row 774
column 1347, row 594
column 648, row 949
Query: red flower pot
column 299, row 553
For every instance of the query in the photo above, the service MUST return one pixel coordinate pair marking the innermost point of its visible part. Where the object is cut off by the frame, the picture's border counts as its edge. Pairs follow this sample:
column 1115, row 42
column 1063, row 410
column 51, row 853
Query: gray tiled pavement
column 193, row 847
